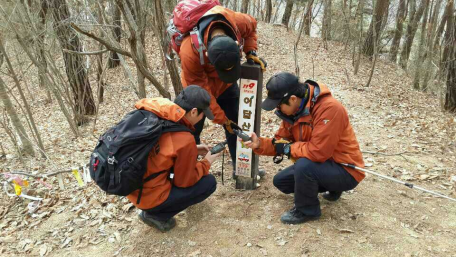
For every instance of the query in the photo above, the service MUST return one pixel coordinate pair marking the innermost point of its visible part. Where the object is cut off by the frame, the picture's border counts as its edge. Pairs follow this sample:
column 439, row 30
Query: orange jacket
column 322, row 132
column 205, row 76
column 176, row 149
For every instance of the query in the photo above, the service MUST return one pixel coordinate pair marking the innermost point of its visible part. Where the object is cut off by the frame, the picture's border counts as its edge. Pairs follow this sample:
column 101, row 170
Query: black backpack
column 119, row 161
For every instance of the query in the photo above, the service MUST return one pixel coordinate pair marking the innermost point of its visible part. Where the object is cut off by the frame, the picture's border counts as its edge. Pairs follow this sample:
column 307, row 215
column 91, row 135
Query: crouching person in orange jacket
column 163, row 197
column 316, row 132
column 225, row 34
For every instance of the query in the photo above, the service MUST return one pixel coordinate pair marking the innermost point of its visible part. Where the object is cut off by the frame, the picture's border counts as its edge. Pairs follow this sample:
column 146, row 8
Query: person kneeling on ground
column 316, row 132
column 162, row 198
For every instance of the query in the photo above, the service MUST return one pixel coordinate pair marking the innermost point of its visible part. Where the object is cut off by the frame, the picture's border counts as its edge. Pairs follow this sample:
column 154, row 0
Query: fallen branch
column 385, row 154
column 41, row 176
column 85, row 53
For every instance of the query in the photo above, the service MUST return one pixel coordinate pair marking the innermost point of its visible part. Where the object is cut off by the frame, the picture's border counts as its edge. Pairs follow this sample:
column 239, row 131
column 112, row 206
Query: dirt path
column 405, row 132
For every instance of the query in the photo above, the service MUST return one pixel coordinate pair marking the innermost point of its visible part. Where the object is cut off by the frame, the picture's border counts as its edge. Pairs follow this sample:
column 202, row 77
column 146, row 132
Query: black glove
column 252, row 58
column 282, row 147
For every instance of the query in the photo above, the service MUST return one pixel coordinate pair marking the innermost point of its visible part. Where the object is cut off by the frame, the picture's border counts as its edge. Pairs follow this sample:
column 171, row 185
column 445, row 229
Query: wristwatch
column 286, row 149
column 252, row 52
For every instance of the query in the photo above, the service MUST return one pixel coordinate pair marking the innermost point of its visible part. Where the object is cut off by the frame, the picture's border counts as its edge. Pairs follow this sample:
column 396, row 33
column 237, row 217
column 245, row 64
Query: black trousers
column 229, row 102
column 180, row 199
column 307, row 178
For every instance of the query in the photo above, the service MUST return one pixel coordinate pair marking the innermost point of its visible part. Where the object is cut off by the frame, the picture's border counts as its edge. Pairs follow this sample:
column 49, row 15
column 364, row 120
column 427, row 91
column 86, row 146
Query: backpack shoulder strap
column 198, row 43
column 169, row 126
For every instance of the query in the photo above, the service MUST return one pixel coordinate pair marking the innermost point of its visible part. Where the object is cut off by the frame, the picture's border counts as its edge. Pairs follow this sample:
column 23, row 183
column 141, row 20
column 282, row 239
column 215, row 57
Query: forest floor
column 403, row 133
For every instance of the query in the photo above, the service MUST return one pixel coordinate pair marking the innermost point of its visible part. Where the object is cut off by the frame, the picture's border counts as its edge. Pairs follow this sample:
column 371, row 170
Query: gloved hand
column 282, row 147
column 253, row 58
column 230, row 125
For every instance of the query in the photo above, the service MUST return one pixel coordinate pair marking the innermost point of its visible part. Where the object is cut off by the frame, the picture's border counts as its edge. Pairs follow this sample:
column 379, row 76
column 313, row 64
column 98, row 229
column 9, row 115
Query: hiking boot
column 332, row 196
column 294, row 216
column 162, row 225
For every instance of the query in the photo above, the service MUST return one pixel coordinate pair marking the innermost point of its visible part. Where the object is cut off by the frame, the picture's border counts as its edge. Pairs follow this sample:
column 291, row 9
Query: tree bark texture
column 420, row 59
column 327, row 14
column 245, row 6
column 412, row 27
column 287, row 14
column 378, row 18
column 268, row 11
column 164, row 39
column 114, row 60
column 450, row 97
column 448, row 42
column 308, row 18
column 430, row 53
column 27, row 147
column 74, row 64
column 400, row 18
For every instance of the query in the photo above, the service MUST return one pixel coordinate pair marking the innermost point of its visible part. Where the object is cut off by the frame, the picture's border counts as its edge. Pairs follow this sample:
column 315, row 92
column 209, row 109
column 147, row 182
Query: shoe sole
column 295, row 223
column 151, row 224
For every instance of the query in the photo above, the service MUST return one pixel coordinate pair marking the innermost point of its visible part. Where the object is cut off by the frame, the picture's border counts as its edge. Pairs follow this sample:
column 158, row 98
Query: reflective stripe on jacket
column 175, row 150
column 322, row 132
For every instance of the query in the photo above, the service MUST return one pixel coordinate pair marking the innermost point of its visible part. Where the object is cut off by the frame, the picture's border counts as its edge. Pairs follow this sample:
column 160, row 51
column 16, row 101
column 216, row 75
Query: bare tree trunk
column 450, row 97
column 430, row 54
column 268, row 11
column 74, row 64
column 307, row 22
column 27, row 147
column 52, row 85
column 400, row 17
column 40, row 41
column 277, row 11
column 420, row 59
column 135, row 40
column 287, row 14
column 160, row 31
column 327, row 14
column 438, row 36
column 114, row 61
column 27, row 144
column 381, row 8
column 359, row 16
column 412, row 27
column 235, row 5
column 245, row 6
column 448, row 41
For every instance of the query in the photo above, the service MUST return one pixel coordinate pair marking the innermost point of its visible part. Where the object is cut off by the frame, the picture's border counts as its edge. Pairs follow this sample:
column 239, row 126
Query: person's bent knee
column 306, row 167
column 210, row 182
column 276, row 181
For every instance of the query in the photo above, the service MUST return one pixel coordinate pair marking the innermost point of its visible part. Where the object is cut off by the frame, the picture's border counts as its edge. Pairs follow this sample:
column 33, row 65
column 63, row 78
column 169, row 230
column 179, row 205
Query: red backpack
column 184, row 22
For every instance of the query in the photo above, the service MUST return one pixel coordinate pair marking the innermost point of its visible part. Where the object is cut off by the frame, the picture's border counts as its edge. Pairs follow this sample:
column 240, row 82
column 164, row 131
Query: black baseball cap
column 195, row 97
column 223, row 52
column 279, row 86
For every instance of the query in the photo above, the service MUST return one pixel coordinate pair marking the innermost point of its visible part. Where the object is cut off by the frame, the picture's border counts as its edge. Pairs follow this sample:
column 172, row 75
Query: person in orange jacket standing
column 163, row 197
column 316, row 133
column 225, row 34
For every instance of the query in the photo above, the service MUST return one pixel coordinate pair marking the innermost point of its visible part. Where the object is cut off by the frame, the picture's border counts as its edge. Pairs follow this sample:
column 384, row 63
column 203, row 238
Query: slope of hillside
column 403, row 134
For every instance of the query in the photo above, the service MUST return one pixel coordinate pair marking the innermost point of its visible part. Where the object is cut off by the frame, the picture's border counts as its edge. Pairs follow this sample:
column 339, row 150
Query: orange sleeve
column 328, row 124
column 247, row 25
column 266, row 146
column 187, row 170
column 193, row 74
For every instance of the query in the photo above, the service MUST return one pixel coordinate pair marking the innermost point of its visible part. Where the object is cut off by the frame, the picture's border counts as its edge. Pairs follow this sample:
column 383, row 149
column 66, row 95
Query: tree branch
column 101, row 41
column 85, row 53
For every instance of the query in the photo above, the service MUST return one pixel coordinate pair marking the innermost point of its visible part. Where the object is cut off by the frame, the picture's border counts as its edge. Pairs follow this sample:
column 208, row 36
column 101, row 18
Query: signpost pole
column 249, row 119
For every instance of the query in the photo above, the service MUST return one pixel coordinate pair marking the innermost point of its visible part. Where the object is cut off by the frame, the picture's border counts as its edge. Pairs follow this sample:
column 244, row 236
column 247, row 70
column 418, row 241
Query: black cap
column 195, row 97
column 223, row 52
column 279, row 86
